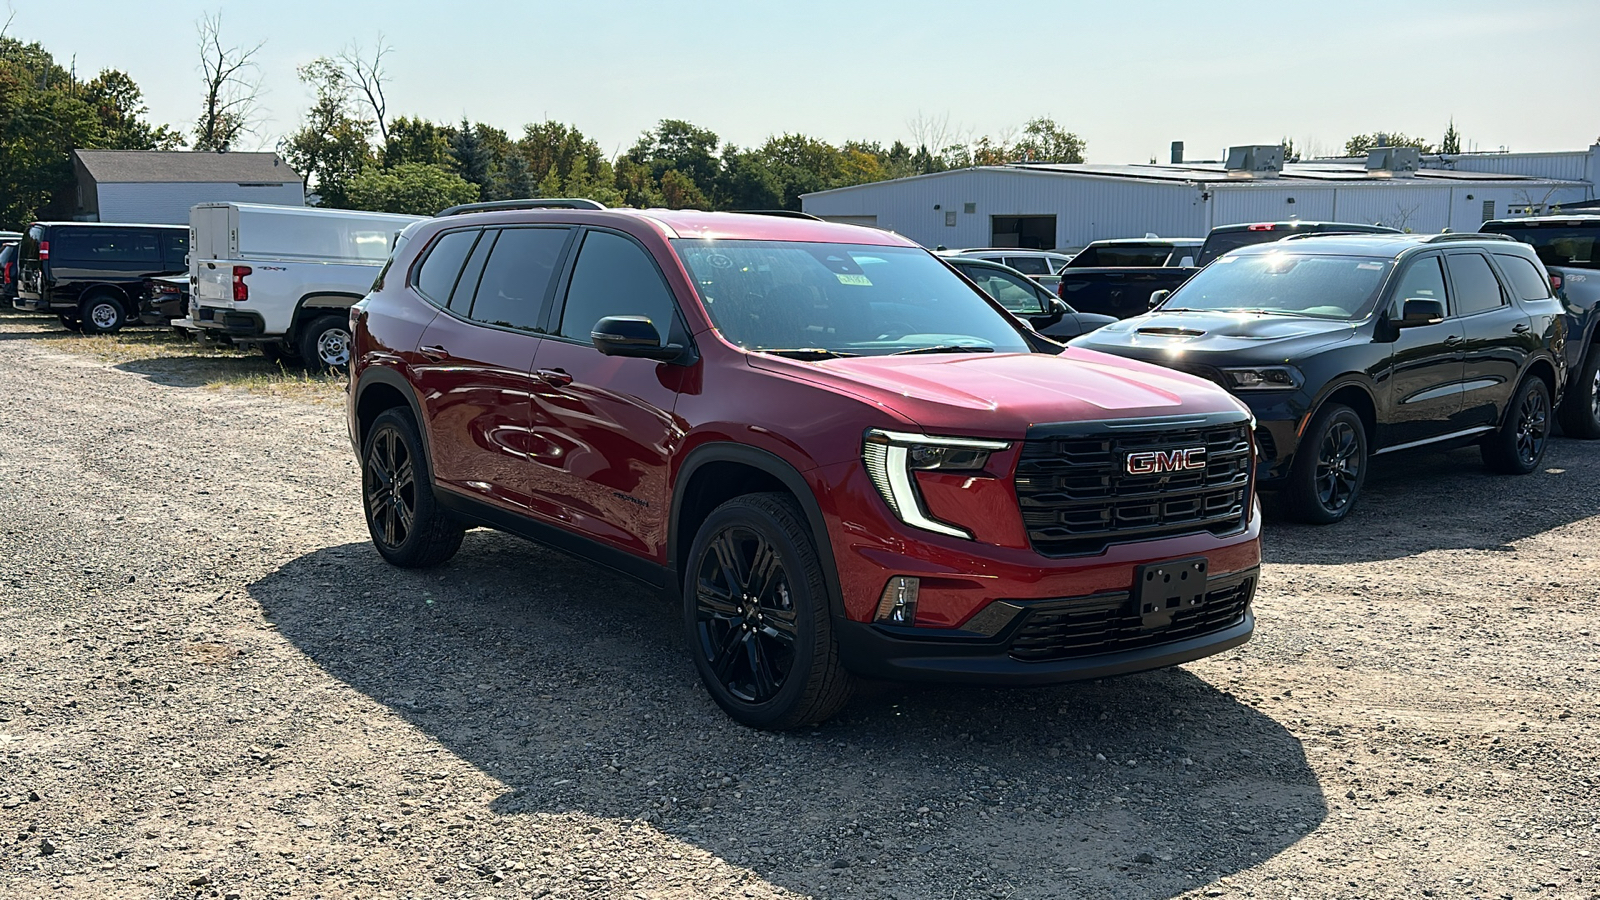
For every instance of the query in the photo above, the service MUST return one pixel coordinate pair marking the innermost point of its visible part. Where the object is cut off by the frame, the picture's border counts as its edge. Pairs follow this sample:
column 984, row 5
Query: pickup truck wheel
column 280, row 354
column 1329, row 467
column 102, row 314
column 407, row 525
column 70, row 324
column 325, row 343
column 758, row 618
column 1518, row 445
column 1580, row 409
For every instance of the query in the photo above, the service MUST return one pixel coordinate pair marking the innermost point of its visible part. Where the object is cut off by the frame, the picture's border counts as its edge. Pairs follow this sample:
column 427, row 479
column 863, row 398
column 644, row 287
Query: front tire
column 407, row 525
column 102, row 314
column 1580, row 409
column 1329, row 467
column 758, row 617
column 325, row 344
column 1517, row 447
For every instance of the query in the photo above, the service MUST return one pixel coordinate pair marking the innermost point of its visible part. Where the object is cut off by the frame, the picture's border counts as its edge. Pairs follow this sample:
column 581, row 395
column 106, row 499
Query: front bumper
column 1052, row 641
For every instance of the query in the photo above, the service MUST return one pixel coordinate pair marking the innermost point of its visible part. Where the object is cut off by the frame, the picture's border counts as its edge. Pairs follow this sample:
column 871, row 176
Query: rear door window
column 517, row 277
column 1476, row 287
column 615, row 277
column 1029, row 265
column 437, row 277
column 1525, row 277
column 175, row 246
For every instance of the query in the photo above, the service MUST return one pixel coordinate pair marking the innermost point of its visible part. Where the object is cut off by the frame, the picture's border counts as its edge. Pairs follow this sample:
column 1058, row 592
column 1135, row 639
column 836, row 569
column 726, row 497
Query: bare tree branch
column 367, row 76
column 232, row 88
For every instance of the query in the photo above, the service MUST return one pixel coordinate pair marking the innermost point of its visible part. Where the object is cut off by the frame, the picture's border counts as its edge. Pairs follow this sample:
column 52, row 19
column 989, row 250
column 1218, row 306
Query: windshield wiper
column 809, row 353
column 944, row 348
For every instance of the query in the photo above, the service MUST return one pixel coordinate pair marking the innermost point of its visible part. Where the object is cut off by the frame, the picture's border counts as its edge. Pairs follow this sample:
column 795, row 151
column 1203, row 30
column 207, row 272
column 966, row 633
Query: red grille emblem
column 1156, row 462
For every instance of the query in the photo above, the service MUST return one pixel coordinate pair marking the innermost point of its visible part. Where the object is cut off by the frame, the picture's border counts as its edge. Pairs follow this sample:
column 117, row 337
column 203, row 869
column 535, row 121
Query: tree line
column 355, row 155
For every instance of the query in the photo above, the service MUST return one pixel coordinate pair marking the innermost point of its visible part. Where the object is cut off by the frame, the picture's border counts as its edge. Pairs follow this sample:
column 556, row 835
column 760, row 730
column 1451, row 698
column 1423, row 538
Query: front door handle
column 1521, row 328
column 1452, row 340
column 435, row 353
column 554, row 377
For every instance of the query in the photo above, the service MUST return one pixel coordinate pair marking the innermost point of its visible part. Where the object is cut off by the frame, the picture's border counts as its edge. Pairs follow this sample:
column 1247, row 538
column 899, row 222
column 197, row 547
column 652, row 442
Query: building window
column 969, row 208
column 950, row 219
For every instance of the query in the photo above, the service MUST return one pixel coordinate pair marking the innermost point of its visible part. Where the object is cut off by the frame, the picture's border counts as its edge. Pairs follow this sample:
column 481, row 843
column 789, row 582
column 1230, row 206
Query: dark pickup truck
column 1117, row 277
column 1569, row 246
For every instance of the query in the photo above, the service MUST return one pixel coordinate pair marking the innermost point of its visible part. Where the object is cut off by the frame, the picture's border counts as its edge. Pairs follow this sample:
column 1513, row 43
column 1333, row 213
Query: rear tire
column 1518, row 445
column 407, row 525
column 325, row 344
column 280, row 354
column 1329, row 468
column 1580, row 409
column 758, row 616
column 102, row 314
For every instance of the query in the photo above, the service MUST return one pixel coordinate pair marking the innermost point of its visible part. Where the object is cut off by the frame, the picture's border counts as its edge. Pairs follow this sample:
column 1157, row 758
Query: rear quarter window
column 1575, row 246
column 437, row 276
column 1526, row 279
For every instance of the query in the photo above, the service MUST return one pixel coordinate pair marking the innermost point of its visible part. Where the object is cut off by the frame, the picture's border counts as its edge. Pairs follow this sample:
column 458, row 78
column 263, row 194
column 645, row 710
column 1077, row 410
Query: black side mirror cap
column 632, row 336
column 1158, row 297
column 1418, row 311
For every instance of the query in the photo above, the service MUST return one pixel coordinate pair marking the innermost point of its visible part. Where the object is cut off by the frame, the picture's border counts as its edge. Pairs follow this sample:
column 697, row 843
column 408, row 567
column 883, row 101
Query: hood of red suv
column 1002, row 395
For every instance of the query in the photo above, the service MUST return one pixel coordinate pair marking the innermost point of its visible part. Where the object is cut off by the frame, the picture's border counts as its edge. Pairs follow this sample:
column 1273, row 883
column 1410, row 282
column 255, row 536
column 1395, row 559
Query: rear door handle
column 554, row 377
column 1521, row 328
column 435, row 353
column 1452, row 340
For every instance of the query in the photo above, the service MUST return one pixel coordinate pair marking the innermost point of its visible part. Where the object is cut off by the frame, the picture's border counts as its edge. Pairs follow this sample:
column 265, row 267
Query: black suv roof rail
column 1307, row 235
column 540, row 203
column 1468, row 236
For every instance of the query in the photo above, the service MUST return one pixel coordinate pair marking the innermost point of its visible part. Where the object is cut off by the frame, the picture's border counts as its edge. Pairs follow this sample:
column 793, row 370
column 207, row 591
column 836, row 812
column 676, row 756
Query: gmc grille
column 1078, row 498
column 1069, row 629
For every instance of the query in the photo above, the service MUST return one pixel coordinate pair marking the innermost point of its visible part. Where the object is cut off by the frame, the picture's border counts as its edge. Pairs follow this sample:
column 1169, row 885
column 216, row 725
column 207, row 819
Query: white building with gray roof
column 157, row 187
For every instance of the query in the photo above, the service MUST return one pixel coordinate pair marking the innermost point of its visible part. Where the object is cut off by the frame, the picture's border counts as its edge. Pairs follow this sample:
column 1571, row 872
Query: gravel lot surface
column 211, row 686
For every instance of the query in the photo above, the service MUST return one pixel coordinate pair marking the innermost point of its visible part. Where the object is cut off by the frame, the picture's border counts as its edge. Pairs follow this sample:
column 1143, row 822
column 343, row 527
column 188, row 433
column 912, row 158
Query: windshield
column 841, row 299
column 1569, row 246
column 1325, row 287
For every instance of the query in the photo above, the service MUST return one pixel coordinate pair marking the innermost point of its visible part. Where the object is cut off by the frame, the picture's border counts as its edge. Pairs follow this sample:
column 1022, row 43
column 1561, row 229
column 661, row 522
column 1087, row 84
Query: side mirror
column 1055, row 309
column 1420, row 311
column 631, row 336
column 1158, row 297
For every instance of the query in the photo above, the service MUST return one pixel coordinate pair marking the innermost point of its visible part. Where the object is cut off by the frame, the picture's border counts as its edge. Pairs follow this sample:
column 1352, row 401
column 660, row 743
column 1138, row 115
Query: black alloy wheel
column 406, row 523
column 1518, row 445
column 1329, row 467
column 758, row 618
column 1580, row 408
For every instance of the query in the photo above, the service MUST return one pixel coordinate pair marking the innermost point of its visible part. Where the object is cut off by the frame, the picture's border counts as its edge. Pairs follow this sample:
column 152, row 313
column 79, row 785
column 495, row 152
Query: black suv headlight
column 1264, row 378
column 891, row 457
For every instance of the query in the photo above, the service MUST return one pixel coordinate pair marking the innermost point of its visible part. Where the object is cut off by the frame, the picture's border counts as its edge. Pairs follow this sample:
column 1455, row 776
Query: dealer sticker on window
column 862, row 280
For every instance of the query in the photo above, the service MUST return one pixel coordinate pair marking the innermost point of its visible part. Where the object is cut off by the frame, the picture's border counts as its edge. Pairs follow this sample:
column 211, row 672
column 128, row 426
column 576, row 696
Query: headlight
column 891, row 456
column 1264, row 378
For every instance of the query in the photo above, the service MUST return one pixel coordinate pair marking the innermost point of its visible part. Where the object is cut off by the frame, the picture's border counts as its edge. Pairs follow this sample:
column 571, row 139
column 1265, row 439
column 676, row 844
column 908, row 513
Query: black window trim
column 565, row 254
column 1505, row 295
column 422, row 260
column 1404, row 264
column 677, row 332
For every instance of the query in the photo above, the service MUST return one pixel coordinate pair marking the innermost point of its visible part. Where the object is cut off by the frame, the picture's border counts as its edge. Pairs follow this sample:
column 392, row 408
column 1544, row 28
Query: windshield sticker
column 1369, row 265
column 718, row 261
column 862, row 280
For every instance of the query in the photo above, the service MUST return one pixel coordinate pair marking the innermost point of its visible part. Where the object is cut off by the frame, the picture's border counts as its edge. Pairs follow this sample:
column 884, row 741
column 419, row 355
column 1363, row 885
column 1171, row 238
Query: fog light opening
column 898, row 605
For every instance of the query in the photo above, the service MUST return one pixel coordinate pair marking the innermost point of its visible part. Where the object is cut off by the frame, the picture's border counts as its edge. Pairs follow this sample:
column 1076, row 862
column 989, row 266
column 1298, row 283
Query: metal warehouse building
column 1051, row 206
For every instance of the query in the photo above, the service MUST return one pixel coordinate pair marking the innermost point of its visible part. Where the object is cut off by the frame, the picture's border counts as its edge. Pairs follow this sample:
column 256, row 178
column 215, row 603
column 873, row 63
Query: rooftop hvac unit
column 1255, row 161
column 1393, row 162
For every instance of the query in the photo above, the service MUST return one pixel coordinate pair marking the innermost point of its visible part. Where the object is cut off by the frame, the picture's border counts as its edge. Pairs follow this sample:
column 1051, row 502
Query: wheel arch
column 1351, row 392
column 320, row 303
column 717, row 472
column 381, row 389
column 116, row 291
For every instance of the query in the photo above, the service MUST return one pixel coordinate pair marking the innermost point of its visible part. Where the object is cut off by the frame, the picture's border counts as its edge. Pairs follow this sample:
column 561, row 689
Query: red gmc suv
column 844, row 458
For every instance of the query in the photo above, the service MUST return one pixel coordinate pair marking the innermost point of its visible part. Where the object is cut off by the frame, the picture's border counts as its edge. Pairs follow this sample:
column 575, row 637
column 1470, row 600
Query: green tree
column 1291, row 153
column 1044, row 141
column 418, row 189
column 1451, row 142
column 679, row 191
column 677, row 145
column 416, row 141
column 331, row 146
column 119, row 104
column 474, row 161
column 516, row 179
column 747, row 182
column 1361, row 143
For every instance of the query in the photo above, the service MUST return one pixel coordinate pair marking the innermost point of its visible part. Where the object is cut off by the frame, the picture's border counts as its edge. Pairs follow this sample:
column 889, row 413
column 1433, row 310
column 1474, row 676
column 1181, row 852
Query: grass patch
column 169, row 357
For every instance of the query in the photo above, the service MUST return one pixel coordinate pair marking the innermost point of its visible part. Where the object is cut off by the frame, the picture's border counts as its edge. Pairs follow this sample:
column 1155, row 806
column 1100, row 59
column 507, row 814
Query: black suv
column 91, row 275
column 1247, row 234
column 1352, row 346
column 8, row 271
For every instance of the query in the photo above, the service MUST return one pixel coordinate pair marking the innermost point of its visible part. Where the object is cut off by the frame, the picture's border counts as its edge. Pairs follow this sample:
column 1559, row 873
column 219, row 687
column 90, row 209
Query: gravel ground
column 211, row 686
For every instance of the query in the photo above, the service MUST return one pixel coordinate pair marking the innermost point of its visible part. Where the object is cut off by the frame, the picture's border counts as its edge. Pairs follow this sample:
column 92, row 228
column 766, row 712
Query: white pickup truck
column 283, row 278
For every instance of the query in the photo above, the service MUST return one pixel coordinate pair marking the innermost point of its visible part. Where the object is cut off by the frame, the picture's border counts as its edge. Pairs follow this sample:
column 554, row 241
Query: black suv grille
column 1068, row 629
column 1077, row 496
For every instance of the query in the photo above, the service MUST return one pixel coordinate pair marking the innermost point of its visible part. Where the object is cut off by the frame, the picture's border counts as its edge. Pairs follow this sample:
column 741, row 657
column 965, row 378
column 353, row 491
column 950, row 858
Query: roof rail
column 540, row 203
column 1467, row 236
column 1304, row 235
column 781, row 213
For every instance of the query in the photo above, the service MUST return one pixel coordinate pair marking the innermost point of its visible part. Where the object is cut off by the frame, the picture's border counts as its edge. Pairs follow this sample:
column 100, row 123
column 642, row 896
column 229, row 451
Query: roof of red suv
column 691, row 223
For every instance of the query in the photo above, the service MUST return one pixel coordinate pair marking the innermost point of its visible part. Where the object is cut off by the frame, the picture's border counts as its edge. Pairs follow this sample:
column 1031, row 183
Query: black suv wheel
column 1580, row 409
column 757, row 613
column 1329, row 468
column 102, row 314
column 1519, row 444
column 405, row 521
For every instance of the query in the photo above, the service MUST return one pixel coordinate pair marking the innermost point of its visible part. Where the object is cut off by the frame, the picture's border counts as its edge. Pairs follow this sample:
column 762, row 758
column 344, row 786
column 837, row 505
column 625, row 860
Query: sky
column 1128, row 77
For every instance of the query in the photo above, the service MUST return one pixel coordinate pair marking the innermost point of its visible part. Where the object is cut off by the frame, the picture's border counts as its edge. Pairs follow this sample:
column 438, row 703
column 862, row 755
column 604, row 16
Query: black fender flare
column 388, row 377
column 1334, row 386
column 302, row 312
column 129, row 302
column 777, row 467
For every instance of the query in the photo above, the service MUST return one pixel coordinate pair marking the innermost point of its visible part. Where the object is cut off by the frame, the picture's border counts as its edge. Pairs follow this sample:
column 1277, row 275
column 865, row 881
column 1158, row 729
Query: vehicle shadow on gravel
column 1420, row 501
column 572, row 687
